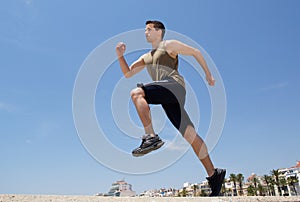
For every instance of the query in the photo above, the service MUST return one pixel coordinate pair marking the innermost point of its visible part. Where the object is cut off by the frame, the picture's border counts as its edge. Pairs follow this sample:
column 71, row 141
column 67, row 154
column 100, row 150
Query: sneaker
column 148, row 144
column 216, row 180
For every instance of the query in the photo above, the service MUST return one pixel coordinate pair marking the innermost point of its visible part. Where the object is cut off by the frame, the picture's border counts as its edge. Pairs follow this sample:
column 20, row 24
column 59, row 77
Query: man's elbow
column 128, row 75
column 196, row 52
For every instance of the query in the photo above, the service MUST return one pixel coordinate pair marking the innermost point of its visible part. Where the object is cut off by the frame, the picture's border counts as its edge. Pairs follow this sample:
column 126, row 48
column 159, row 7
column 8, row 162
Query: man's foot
column 216, row 180
column 149, row 144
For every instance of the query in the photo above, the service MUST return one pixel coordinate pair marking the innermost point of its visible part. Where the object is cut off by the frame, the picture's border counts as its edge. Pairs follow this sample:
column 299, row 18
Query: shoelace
column 144, row 136
column 143, row 140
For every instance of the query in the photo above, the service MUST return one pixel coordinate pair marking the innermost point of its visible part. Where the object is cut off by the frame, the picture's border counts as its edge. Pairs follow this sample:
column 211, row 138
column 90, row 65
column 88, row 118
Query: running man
column 168, row 90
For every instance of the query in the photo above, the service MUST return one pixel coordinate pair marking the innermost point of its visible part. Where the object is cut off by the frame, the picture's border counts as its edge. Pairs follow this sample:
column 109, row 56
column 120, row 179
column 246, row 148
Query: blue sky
column 254, row 44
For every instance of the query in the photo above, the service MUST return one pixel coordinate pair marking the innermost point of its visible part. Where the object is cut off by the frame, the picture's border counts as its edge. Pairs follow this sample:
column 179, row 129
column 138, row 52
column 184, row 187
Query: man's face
column 151, row 33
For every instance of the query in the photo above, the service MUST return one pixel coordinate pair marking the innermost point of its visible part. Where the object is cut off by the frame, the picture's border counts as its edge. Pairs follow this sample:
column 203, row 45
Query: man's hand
column 120, row 49
column 210, row 79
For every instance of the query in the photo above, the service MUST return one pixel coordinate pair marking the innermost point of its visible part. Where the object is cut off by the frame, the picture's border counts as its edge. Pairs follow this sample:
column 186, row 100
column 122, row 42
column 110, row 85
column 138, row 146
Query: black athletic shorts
column 171, row 95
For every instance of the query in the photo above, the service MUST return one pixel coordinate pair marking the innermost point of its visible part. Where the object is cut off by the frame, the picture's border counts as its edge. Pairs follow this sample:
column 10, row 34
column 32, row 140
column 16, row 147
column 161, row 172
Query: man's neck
column 155, row 44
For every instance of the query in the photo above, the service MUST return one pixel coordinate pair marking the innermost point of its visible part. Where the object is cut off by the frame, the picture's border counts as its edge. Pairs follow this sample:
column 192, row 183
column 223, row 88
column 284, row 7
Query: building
column 254, row 185
column 196, row 189
column 286, row 173
column 262, row 188
column 120, row 188
column 162, row 192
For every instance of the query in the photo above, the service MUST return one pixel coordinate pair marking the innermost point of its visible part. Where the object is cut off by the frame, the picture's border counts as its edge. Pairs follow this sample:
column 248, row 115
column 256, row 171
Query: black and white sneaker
column 149, row 144
column 216, row 180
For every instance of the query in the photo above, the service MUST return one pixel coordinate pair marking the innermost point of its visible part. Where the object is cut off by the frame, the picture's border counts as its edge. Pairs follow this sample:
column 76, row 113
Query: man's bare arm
column 175, row 47
column 134, row 68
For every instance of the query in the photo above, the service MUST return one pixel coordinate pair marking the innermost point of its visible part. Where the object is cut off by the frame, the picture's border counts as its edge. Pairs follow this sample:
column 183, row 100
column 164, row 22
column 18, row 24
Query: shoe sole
column 149, row 149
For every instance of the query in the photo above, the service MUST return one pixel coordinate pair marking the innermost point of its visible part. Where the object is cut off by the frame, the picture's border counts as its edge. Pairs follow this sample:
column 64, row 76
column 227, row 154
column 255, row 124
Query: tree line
column 261, row 186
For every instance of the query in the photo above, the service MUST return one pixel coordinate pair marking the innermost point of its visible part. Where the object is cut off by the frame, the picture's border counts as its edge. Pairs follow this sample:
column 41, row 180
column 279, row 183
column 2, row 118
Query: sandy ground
column 59, row 198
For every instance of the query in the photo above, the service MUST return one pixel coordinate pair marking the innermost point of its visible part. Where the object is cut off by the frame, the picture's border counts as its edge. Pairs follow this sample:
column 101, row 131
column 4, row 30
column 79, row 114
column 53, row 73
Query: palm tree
column 195, row 187
column 276, row 174
column 232, row 178
column 267, row 181
column 272, row 184
column 255, row 181
column 292, row 181
column 184, row 192
column 283, row 183
column 261, row 190
column 240, row 179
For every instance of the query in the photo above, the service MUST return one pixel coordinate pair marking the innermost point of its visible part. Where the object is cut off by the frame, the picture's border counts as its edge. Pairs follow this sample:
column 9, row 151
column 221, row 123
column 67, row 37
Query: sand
column 59, row 198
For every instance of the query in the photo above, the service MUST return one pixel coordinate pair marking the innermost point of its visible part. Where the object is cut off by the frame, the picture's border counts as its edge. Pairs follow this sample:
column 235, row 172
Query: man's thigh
column 163, row 92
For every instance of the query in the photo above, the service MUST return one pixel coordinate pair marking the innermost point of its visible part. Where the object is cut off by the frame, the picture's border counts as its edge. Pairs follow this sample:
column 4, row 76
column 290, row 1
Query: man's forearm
column 124, row 66
column 200, row 59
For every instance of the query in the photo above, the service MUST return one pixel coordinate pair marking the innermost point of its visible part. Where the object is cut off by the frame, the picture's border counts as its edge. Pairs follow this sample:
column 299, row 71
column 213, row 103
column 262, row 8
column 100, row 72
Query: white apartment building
column 290, row 172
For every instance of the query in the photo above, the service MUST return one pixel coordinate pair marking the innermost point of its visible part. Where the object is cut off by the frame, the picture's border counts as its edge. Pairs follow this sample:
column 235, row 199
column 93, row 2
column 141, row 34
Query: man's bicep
column 139, row 63
column 136, row 66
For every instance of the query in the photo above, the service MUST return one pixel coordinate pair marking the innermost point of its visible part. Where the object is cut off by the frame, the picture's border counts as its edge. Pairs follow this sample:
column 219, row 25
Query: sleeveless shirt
column 161, row 66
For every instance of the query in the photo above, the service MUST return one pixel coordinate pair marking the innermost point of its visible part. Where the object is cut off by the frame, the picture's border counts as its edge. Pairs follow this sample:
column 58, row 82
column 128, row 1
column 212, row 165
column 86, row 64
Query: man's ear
column 160, row 32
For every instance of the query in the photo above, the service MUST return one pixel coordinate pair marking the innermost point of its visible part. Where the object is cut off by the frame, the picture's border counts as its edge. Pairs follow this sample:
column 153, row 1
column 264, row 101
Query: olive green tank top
column 161, row 66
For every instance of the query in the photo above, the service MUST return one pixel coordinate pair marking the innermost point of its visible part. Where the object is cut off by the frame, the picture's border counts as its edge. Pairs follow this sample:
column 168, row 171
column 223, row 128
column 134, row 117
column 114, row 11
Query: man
column 167, row 89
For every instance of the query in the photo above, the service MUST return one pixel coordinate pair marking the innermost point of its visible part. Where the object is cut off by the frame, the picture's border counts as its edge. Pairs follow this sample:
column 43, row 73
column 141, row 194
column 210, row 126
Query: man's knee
column 136, row 93
column 189, row 133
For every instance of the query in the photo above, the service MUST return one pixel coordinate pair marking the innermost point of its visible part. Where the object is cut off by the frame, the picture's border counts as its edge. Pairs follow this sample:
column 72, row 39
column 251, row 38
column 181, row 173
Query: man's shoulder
column 147, row 57
column 148, row 54
column 171, row 42
column 171, row 46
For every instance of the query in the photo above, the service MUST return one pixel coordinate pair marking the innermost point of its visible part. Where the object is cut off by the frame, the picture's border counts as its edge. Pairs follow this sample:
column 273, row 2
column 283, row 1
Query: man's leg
column 150, row 140
column 216, row 176
column 143, row 110
column 180, row 119
column 200, row 149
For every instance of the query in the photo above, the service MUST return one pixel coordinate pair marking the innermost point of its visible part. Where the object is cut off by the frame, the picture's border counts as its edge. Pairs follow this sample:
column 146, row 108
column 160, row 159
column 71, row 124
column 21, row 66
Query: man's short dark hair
column 157, row 25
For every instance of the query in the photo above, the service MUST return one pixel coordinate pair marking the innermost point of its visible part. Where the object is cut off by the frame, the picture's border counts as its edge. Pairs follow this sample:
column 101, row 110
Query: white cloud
column 275, row 86
column 6, row 107
column 28, row 2
column 46, row 128
column 2, row 105
column 43, row 130
column 28, row 141
column 179, row 145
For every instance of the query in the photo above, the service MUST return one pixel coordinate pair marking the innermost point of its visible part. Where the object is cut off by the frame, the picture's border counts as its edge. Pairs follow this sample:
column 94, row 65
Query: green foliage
column 251, row 190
